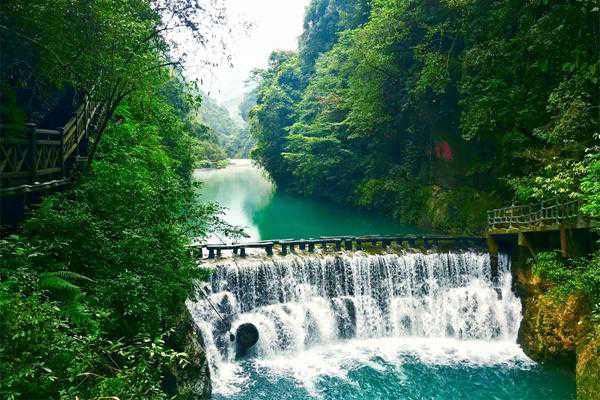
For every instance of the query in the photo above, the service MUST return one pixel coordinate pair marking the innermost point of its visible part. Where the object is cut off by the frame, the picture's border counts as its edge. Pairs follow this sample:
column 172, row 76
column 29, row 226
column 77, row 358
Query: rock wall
column 190, row 381
column 557, row 331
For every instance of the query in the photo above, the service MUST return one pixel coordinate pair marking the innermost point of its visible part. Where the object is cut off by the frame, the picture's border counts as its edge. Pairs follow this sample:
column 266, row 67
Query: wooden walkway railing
column 545, row 214
column 35, row 159
column 337, row 243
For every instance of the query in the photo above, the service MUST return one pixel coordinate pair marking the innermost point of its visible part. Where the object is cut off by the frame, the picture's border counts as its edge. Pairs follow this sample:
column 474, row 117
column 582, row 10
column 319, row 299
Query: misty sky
column 275, row 24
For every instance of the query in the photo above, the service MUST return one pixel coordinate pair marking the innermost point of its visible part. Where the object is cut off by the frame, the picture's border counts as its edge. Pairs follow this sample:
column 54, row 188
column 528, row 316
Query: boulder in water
column 246, row 337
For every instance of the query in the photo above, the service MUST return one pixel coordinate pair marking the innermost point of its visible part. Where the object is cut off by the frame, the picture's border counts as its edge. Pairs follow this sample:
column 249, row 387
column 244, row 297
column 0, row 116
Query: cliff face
column 551, row 329
column 559, row 331
column 188, row 381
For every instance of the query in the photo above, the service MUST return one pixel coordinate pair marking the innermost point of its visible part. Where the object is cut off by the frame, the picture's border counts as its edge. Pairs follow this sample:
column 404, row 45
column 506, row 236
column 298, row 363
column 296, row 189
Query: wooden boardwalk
column 338, row 243
column 36, row 159
column 550, row 215
column 35, row 162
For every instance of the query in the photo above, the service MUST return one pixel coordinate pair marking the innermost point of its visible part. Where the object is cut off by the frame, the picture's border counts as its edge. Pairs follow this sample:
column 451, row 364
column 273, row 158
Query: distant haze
column 275, row 25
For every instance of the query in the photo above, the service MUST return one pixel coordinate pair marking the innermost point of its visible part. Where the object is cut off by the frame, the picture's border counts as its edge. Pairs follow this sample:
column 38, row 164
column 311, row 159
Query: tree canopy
column 435, row 111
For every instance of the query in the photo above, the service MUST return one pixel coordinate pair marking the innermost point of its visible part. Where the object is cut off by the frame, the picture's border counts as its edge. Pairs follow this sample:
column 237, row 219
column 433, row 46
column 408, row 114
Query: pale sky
column 274, row 25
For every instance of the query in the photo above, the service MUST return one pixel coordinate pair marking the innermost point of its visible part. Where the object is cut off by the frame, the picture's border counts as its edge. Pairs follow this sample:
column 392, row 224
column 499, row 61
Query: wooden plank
column 51, row 132
column 15, row 190
column 46, row 142
column 48, row 171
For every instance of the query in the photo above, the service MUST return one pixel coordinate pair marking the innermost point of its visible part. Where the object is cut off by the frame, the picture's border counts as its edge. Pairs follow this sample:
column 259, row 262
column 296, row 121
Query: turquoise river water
column 356, row 326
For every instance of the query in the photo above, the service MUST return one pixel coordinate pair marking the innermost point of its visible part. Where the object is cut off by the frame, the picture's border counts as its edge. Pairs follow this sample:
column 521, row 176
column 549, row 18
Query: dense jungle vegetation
column 95, row 283
column 436, row 111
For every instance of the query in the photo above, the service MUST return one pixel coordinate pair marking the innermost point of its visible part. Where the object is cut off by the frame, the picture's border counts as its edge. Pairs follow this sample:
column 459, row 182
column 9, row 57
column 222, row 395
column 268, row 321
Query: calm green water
column 411, row 368
column 251, row 201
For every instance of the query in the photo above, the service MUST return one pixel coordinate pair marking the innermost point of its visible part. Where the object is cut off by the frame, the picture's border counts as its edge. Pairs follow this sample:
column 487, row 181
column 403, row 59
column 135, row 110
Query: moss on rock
column 551, row 329
column 188, row 381
column 588, row 366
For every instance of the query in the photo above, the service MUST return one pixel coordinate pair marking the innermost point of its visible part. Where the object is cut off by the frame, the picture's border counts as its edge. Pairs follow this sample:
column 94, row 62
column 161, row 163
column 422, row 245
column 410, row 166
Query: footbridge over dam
column 338, row 243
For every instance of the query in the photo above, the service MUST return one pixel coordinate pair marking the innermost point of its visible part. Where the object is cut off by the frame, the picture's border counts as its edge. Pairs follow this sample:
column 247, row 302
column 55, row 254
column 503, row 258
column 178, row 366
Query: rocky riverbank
column 558, row 331
column 191, row 380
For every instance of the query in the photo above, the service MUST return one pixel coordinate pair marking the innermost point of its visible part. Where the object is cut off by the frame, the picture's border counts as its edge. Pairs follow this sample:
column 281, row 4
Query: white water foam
column 326, row 315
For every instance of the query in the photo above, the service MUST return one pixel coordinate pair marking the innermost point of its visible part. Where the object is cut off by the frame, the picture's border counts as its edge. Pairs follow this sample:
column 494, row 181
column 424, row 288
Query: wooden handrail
column 33, row 151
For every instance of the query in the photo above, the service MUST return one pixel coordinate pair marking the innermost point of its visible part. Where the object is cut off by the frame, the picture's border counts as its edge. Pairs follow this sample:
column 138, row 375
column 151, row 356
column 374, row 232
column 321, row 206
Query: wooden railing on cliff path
column 36, row 160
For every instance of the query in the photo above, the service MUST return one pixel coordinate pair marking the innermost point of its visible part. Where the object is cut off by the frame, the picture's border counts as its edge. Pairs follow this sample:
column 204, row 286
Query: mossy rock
column 551, row 329
column 190, row 381
column 588, row 366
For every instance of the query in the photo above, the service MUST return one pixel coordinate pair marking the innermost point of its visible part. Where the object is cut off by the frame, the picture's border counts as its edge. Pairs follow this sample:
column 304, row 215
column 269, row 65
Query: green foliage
column 579, row 275
column 106, row 49
column 223, row 136
column 590, row 184
column 432, row 111
column 101, row 272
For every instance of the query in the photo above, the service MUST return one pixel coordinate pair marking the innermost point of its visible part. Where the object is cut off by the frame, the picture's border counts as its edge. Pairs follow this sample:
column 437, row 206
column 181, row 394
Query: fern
column 59, row 288
column 68, row 275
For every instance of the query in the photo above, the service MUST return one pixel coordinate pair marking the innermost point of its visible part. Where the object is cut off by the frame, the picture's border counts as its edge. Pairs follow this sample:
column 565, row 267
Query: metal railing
column 548, row 212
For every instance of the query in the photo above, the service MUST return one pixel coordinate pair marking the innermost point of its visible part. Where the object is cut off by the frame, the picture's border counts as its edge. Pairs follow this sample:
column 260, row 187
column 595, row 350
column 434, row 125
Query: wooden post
column 348, row 244
column 211, row 253
column 311, row 247
column 494, row 268
column 302, row 246
column 492, row 244
column 242, row 252
column 61, row 162
column 219, row 253
column 426, row 244
column 338, row 245
column 269, row 250
column 32, row 150
column 284, row 249
column 564, row 242
column 522, row 241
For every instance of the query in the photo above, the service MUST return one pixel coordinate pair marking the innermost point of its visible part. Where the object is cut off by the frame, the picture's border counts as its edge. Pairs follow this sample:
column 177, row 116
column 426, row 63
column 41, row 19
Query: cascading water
column 314, row 313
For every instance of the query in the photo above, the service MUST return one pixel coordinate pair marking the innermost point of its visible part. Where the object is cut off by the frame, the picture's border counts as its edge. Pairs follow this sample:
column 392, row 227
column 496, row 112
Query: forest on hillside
column 434, row 112
column 222, row 136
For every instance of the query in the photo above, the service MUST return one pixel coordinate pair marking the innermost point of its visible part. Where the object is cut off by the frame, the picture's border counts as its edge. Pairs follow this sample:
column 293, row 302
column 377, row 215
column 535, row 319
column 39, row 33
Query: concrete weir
column 338, row 243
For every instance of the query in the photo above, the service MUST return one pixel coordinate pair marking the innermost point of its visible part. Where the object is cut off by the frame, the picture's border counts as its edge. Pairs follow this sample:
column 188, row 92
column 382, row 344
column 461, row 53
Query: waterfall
column 298, row 302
